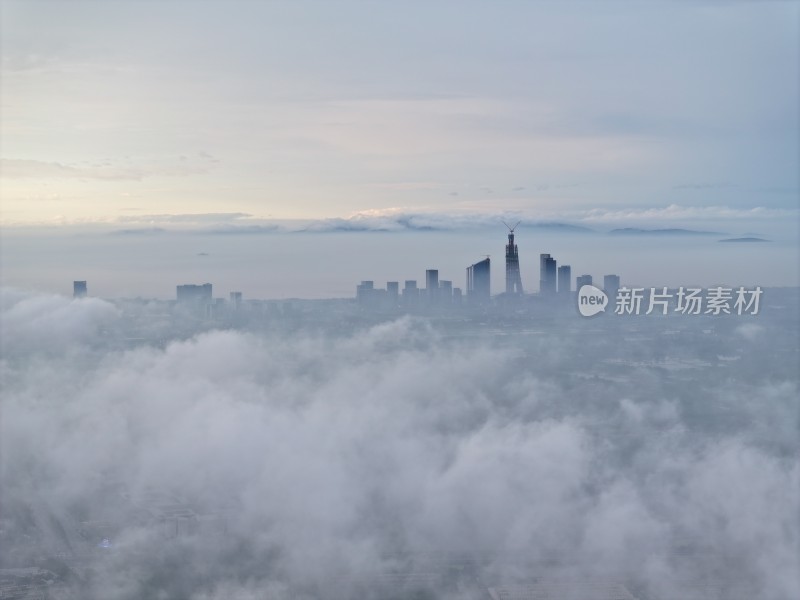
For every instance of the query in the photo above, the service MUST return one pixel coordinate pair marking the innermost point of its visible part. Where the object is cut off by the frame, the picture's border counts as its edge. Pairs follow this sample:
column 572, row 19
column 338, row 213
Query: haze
column 298, row 429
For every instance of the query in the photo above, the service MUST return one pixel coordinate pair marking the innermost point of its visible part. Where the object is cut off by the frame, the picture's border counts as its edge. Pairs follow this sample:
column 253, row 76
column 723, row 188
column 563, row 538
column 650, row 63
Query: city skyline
column 476, row 289
column 270, row 120
column 552, row 279
column 324, row 264
column 333, row 299
column 556, row 274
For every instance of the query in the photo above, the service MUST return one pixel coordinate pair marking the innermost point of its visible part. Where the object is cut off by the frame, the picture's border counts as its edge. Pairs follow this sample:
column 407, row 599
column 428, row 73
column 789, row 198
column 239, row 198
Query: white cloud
column 334, row 457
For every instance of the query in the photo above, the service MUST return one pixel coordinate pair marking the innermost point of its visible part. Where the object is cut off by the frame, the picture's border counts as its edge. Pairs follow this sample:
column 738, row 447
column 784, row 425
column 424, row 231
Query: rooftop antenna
column 511, row 229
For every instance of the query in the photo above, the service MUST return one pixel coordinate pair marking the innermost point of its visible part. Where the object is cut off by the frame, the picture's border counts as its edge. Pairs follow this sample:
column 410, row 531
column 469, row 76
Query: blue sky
column 118, row 110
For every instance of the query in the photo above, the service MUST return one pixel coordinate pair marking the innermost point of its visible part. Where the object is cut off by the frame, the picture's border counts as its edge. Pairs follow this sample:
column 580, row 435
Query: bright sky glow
column 116, row 110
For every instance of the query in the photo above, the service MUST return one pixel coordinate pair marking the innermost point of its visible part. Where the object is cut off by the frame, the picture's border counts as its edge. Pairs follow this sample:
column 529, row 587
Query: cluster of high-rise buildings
column 435, row 293
column 554, row 281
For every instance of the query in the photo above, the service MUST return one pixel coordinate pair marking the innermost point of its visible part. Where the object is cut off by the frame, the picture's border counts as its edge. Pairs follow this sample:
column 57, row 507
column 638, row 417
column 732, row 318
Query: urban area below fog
column 403, row 443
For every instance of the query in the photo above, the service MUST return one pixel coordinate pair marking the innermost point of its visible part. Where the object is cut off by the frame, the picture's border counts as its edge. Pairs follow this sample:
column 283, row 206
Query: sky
column 187, row 116
column 324, row 109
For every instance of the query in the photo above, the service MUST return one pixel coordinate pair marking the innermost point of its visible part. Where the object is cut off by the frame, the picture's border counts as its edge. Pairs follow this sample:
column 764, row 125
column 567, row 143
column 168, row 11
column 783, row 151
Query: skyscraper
column 194, row 293
column 445, row 291
column 236, row 300
column 582, row 280
column 410, row 292
column 479, row 282
column 564, row 279
column 364, row 291
column 611, row 285
column 513, row 278
column 547, row 274
column 79, row 289
column 432, row 284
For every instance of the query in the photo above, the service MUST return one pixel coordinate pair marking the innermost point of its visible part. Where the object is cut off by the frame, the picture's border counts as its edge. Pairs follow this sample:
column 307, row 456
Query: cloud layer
column 408, row 219
column 317, row 464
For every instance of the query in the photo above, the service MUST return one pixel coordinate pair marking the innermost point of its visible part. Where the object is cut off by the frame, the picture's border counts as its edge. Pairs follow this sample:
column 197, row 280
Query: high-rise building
column 393, row 290
column 457, row 296
column 79, row 289
column 445, row 291
column 564, row 279
column 582, row 280
column 547, row 274
column 194, row 293
column 236, row 300
column 410, row 292
column 513, row 277
column 611, row 285
column 479, row 282
column 364, row 291
column 432, row 284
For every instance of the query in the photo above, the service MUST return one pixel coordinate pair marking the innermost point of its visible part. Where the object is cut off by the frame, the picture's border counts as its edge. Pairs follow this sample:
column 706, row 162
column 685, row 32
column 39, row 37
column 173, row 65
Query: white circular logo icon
column 591, row 300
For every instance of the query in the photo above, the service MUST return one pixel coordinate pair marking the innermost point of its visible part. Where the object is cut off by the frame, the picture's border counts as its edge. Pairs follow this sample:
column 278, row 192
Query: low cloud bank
column 317, row 465
column 400, row 219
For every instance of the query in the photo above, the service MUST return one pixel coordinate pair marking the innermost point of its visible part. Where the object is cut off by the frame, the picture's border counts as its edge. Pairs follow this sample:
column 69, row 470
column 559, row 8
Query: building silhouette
column 410, row 292
column 364, row 291
column 236, row 299
column 79, row 289
column 582, row 280
column 564, row 279
column 432, row 284
column 547, row 274
column 479, row 282
column 393, row 291
column 446, row 292
column 611, row 285
column 194, row 293
column 513, row 277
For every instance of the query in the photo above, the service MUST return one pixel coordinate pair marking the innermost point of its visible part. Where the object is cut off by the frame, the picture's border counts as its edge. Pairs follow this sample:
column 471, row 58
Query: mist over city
column 453, row 301
column 318, row 450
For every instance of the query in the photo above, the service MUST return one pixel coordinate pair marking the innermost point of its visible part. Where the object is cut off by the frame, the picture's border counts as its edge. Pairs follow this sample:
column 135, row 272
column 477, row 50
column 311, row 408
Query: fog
column 330, row 264
column 314, row 451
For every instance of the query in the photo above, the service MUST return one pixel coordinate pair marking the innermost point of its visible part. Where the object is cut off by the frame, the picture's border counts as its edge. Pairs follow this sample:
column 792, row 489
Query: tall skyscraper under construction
column 513, row 278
